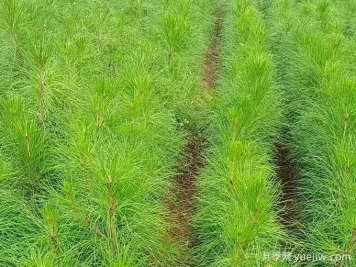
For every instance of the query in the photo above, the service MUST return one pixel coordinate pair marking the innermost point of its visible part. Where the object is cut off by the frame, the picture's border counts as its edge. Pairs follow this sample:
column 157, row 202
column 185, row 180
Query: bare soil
column 287, row 174
column 212, row 56
column 181, row 206
column 181, row 202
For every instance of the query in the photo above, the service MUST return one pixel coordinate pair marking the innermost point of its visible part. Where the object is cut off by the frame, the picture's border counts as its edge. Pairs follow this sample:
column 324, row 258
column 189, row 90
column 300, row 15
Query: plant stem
column 349, row 248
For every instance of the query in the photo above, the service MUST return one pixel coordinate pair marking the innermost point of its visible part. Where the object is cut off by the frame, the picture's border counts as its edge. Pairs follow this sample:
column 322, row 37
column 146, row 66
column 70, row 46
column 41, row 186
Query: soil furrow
column 286, row 171
column 212, row 56
column 181, row 206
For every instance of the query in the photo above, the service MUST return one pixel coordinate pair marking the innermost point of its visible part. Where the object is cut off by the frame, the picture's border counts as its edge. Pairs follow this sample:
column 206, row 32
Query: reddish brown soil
column 211, row 58
column 181, row 206
column 181, row 202
column 287, row 173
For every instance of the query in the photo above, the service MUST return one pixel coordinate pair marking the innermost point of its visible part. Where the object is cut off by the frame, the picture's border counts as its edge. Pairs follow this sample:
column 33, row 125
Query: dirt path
column 287, row 174
column 181, row 205
column 212, row 55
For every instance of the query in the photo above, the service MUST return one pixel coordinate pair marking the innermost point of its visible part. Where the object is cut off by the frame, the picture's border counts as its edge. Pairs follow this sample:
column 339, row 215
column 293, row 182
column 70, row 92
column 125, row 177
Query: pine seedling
column 12, row 17
column 19, row 227
column 320, row 83
column 237, row 216
column 23, row 142
column 92, row 130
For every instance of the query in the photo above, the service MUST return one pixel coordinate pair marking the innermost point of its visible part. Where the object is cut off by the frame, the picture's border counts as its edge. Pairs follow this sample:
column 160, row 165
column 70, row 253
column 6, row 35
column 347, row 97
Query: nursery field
column 158, row 133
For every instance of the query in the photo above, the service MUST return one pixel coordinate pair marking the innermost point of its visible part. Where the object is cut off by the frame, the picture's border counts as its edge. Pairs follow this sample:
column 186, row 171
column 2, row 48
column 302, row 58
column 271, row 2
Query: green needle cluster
column 237, row 217
column 319, row 84
column 90, row 96
column 101, row 103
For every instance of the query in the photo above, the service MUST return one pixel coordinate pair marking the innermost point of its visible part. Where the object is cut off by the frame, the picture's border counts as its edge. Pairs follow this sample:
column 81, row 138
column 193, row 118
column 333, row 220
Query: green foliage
column 88, row 136
column 97, row 96
column 319, row 82
column 237, row 218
